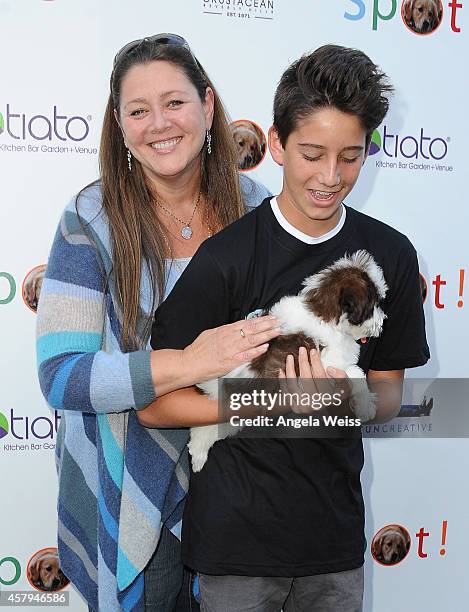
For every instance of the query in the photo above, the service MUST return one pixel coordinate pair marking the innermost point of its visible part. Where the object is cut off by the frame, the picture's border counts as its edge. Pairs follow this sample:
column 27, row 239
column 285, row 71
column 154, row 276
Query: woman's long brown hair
column 137, row 239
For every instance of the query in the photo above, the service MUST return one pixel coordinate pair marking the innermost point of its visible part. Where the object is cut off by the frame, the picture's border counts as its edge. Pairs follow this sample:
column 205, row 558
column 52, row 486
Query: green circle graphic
column 4, row 428
column 16, row 565
column 12, row 284
column 376, row 142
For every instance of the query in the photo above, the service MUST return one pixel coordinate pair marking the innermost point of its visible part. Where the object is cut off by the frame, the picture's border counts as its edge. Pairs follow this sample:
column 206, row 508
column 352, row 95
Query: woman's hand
column 312, row 378
column 217, row 351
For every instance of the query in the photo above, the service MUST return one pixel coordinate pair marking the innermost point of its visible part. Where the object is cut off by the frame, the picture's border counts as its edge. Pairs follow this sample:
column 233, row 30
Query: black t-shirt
column 285, row 506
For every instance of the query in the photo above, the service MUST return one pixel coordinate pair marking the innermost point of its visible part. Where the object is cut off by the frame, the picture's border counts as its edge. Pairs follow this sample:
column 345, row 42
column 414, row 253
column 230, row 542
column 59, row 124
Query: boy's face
column 321, row 161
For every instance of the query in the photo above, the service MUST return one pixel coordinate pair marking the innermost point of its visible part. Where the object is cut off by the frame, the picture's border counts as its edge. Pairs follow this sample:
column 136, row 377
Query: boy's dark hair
column 331, row 76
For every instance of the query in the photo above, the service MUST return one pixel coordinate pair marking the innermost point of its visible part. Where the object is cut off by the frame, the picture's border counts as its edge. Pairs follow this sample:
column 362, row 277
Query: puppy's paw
column 201, row 441
column 210, row 388
column 198, row 461
column 363, row 405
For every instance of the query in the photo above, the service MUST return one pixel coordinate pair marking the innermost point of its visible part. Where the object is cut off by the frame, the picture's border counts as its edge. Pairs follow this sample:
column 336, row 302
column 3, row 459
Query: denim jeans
column 168, row 585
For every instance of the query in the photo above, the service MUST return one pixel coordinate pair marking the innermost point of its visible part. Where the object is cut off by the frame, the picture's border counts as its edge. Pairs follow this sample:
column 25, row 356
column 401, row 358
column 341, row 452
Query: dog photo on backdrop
column 390, row 545
column 422, row 16
column 337, row 308
column 250, row 143
column 32, row 287
column 44, row 571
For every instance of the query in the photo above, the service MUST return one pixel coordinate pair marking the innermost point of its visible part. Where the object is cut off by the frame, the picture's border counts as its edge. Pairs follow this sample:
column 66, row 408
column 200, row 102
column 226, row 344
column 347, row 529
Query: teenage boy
column 272, row 523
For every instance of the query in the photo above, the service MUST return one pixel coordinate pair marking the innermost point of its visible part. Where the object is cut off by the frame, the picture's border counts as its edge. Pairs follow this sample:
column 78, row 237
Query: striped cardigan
column 118, row 481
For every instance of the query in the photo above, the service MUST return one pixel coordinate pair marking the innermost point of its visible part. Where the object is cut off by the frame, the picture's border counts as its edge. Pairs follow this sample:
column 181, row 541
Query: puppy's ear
column 355, row 306
column 407, row 6
column 377, row 548
column 29, row 291
column 34, row 573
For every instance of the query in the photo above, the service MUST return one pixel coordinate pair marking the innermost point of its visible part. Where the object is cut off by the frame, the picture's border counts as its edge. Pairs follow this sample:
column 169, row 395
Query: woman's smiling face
column 163, row 119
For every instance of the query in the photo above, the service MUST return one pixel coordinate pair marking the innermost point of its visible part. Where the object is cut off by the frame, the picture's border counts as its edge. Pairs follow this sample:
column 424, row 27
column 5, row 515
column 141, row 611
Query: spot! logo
column 7, row 288
column 418, row 16
column 10, row 571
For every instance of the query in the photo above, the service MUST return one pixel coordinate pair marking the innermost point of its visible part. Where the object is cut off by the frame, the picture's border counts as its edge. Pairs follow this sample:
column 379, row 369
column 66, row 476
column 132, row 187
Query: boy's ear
column 275, row 146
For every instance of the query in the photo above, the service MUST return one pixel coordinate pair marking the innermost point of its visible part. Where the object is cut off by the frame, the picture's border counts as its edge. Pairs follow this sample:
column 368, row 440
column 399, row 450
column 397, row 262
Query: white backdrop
column 56, row 60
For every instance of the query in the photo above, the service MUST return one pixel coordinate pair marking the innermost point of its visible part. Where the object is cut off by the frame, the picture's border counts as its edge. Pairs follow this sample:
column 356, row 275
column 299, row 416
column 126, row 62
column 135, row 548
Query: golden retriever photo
column 422, row 16
column 44, row 571
column 32, row 286
column 250, row 143
column 390, row 545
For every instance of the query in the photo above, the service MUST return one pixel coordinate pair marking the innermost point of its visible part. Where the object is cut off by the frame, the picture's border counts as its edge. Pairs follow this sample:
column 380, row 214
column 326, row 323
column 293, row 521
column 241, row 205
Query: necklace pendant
column 186, row 232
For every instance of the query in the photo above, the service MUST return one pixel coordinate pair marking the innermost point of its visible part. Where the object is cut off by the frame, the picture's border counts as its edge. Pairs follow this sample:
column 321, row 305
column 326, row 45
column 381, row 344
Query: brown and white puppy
column 391, row 546
column 250, row 144
column 32, row 287
column 44, row 572
column 422, row 16
column 337, row 307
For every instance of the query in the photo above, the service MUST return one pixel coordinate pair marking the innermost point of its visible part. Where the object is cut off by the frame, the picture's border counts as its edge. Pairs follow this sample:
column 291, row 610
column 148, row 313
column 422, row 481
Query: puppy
column 44, row 572
column 32, row 287
column 391, row 546
column 249, row 142
column 422, row 16
column 336, row 308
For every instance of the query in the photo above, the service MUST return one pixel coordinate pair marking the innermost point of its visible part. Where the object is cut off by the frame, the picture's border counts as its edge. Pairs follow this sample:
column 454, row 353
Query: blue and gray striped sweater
column 118, row 481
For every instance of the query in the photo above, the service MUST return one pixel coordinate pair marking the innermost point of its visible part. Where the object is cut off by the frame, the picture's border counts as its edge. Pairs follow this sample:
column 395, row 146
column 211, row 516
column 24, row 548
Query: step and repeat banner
column 56, row 62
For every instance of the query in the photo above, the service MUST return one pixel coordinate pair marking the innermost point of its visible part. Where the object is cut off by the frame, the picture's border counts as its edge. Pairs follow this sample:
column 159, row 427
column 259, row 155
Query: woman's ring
column 241, row 331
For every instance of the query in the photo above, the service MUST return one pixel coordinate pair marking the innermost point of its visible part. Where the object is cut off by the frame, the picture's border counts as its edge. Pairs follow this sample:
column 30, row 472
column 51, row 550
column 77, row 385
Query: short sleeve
column 403, row 342
column 253, row 192
column 198, row 301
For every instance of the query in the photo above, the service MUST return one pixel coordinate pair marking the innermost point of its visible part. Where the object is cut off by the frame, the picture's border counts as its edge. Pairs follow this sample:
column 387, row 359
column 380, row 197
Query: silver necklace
column 186, row 231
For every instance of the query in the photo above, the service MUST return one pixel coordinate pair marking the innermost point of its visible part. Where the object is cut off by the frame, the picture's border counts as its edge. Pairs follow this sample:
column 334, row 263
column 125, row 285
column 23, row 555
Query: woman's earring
column 209, row 142
column 129, row 160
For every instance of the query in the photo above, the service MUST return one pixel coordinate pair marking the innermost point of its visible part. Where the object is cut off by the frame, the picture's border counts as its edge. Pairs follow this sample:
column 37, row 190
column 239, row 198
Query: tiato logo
column 20, row 126
column 418, row 146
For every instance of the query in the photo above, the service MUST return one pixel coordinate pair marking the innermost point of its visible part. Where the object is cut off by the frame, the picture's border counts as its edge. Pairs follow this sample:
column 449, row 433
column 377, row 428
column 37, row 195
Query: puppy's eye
column 241, row 143
column 49, row 568
column 420, row 9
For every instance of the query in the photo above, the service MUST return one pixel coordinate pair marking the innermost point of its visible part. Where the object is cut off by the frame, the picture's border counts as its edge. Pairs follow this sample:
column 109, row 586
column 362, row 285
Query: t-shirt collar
column 293, row 231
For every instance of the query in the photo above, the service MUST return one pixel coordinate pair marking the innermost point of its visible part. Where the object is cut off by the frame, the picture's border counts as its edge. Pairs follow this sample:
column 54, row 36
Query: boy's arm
column 388, row 387
column 403, row 343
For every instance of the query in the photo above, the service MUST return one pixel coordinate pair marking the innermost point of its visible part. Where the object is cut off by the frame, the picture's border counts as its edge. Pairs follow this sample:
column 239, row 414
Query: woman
column 168, row 181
